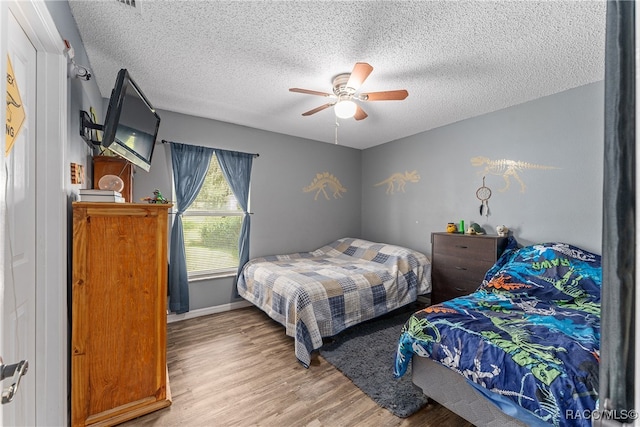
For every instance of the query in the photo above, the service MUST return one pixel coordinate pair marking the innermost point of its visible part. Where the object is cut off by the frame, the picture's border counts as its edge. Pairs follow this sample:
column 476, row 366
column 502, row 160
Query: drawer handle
column 462, row 246
column 460, row 268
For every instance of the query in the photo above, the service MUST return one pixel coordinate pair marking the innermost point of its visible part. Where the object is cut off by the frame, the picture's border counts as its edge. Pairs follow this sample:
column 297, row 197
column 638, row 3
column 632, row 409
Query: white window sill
column 211, row 276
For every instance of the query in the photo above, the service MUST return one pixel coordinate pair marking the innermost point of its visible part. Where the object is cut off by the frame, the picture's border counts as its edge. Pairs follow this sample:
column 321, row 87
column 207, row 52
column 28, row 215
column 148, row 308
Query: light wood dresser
column 460, row 261
column 119, row 312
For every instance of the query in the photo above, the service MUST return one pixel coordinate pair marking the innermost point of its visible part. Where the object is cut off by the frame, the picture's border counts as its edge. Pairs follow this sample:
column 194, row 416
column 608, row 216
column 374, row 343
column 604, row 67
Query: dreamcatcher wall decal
column 484, row 194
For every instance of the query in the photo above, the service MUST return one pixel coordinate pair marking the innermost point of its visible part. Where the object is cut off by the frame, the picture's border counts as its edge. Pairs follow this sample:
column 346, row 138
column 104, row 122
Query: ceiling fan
column 345, row 86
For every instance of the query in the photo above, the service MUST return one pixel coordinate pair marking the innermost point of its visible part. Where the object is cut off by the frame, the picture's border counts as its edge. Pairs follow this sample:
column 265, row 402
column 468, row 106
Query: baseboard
column 206, row 311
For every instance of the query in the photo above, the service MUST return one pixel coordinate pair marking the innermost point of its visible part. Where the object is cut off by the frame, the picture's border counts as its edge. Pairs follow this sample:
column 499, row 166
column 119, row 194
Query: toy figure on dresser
column 502, row 230
column 475, row 229
column 451, row 228
column 156, row 198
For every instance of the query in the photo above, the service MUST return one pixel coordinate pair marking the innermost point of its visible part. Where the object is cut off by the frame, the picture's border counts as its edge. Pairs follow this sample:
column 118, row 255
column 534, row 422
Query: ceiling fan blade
column 320, row 108
column 359, row 74
column 309, row 92
column 360, row 114
column 389, row 95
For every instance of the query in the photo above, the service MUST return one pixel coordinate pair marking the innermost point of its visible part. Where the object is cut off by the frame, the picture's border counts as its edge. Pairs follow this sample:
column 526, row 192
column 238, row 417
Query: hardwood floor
column 238, row 369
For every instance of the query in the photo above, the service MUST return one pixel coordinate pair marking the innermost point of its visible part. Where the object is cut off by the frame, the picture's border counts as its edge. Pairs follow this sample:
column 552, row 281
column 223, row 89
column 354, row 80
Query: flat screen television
column 131, row 125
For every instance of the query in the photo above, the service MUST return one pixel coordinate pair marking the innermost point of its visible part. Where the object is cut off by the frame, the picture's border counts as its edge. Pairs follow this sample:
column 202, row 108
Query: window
column 212, row 227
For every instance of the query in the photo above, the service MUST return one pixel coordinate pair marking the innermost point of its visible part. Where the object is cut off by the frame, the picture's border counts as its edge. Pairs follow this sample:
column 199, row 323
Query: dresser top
column 475, row 236
column 123, row 205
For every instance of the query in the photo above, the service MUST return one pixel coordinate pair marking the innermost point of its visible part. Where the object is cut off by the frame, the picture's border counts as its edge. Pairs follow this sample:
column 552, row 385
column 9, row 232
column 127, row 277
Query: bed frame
column 452, row 391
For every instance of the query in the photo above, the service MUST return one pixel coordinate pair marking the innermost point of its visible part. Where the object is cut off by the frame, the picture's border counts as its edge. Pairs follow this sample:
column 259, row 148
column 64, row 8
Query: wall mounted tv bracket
column 87, row 126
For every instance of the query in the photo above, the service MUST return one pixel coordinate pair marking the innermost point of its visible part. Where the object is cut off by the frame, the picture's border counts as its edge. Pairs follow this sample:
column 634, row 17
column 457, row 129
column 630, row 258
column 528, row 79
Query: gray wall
column 82, row 95
column 285, row 219
column 564, row 131
column 565, row 204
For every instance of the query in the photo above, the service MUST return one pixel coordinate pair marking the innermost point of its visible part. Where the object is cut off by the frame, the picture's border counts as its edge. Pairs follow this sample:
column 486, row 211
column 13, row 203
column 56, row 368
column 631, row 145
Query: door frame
column 52, row 205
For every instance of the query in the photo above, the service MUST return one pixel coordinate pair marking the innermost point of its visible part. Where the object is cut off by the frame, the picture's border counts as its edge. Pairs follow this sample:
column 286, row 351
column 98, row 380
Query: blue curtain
column 236, row 168
column 190, row 164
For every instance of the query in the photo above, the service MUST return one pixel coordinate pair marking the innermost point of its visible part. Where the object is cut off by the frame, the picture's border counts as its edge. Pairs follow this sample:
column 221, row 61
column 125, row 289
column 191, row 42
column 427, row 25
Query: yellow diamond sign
column 15, row 109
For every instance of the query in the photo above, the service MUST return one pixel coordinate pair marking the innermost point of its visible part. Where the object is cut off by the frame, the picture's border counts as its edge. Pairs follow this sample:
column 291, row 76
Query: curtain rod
column 164, row 141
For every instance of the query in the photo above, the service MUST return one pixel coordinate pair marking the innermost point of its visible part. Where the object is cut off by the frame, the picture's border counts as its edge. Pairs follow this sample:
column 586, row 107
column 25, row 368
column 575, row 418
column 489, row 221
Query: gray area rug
column 365, row 353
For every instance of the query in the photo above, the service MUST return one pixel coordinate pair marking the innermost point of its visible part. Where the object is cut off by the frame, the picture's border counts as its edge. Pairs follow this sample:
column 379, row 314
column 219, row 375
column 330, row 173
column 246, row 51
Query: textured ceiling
column 234, row 61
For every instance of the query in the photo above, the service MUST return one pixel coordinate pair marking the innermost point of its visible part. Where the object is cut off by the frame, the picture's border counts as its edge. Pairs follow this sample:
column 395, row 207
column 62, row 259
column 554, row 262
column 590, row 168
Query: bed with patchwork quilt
column 528, row 340
column 320, row 293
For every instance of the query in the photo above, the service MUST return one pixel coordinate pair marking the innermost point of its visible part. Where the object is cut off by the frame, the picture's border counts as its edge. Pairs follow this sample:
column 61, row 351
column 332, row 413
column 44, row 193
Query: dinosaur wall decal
column 400, row 180
column 507, row 169
column 322, row 181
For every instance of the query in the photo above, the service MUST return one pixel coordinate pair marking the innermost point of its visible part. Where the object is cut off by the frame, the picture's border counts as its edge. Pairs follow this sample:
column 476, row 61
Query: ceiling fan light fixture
column 345, row 109
column 345, row 87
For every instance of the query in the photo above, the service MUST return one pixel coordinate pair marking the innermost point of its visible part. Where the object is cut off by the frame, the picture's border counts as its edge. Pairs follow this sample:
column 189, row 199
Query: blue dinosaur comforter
column 530, row 334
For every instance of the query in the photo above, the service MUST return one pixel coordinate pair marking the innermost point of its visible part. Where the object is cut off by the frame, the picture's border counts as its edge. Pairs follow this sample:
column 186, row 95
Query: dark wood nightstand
column 460, row 261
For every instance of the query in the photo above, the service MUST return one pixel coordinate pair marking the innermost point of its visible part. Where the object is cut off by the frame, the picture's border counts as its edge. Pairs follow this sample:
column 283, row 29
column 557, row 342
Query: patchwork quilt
column 318, row 294
column 529, row 335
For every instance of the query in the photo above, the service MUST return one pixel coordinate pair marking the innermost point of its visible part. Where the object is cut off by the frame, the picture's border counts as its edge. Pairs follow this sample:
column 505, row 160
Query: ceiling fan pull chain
column 336, row 137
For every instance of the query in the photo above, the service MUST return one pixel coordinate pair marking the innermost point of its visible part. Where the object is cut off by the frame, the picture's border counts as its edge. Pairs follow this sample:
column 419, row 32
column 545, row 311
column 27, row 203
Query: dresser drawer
column 448, row 293
column 458, row 268
column 444, row 283
column 478, row 247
